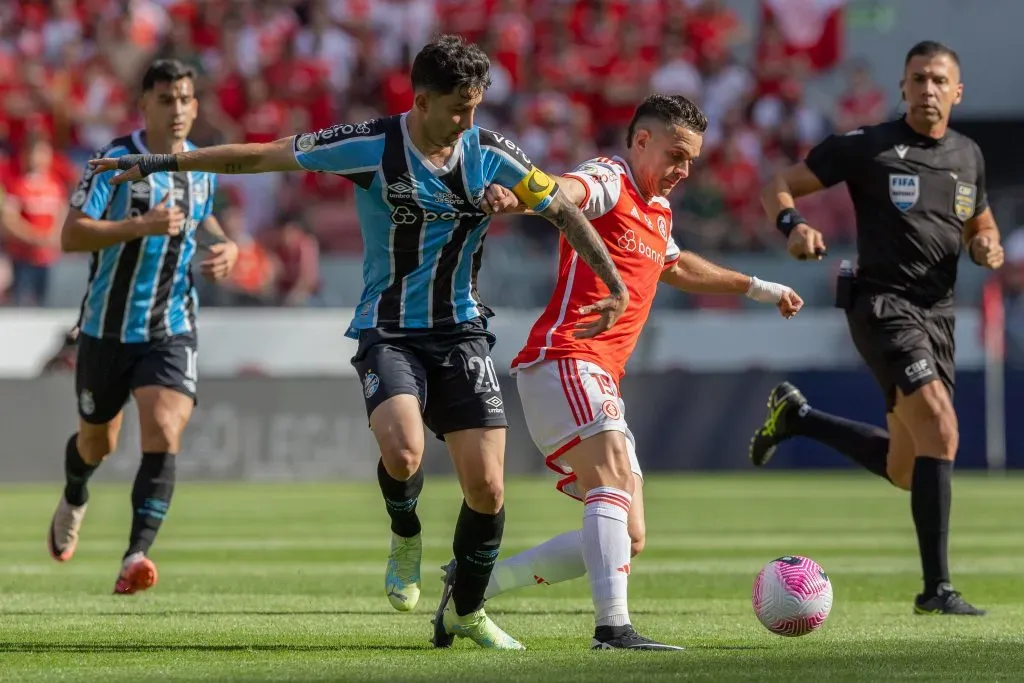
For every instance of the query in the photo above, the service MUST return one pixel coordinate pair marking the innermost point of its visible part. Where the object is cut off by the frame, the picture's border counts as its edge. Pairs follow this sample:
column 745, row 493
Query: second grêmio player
column 570, row 386
column 424, row 347
column 136, row 335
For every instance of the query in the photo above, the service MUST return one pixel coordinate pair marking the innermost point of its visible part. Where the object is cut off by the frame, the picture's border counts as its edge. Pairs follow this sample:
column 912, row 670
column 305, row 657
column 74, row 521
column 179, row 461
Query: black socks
column 930, row 500
column 76, row 474
column 151, row 498
column 401, row 497
column 477, row 539
column 865, row 444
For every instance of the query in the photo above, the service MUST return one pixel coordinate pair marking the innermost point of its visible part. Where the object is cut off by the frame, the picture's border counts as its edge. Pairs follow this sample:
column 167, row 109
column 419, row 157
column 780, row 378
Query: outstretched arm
column 263, row 157
column 691, row 273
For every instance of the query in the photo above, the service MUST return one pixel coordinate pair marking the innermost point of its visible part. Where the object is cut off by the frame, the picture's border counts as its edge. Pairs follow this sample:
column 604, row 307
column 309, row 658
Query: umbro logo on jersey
column 402, row 188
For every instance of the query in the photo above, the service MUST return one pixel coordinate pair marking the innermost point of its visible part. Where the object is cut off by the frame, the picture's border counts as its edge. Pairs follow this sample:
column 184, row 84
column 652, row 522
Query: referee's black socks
column 931, row 495
column 865, row 444
column 76, row 474
column 400, row 498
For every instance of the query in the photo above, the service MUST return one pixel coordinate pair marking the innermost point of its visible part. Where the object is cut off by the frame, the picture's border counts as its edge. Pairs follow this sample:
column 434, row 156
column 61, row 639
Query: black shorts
column 108, row 371
column 449, row 369
column 904, row 345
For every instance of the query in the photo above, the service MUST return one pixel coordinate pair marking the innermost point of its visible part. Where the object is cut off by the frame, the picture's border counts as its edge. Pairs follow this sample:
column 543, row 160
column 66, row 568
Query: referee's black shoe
column 784, row 403
column 946, row 601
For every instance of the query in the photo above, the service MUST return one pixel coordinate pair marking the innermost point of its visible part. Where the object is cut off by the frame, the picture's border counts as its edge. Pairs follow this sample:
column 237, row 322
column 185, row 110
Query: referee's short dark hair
column 929, row 49
column 166, row 71
column 673, row 110
column 448, row 64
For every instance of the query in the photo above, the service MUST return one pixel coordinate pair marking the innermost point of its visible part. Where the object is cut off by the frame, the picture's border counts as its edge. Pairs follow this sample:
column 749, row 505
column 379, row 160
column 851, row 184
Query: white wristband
column 766, row 292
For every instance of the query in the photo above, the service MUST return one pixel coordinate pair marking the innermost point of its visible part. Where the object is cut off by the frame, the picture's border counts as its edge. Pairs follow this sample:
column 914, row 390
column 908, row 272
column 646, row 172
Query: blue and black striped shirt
column 142, row 290
column 423, row 228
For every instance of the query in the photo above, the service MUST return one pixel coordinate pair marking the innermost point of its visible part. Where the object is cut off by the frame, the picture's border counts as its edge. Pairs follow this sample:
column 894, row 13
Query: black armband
column 148, row 163
column 787, row 220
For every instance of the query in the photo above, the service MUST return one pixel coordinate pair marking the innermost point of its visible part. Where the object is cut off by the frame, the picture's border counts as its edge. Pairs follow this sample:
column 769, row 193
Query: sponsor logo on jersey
column 517, row 151
column 404, row 215
column 629, row 241
column 308, row 141
column 447, row 197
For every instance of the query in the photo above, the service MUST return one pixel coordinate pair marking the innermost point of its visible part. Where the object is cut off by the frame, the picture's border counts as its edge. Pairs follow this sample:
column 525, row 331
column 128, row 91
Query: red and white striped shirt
column 638, row 235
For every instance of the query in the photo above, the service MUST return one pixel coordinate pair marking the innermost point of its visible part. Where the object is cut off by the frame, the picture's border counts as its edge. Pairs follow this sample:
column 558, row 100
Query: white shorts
column 566, row 401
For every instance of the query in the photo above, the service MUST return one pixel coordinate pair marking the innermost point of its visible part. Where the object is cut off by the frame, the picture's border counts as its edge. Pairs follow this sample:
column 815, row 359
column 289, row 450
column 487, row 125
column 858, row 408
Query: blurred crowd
column 566, row 77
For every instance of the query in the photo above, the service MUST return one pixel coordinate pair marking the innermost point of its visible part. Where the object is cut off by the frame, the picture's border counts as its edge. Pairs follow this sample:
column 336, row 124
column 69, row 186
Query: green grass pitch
column 285, row 582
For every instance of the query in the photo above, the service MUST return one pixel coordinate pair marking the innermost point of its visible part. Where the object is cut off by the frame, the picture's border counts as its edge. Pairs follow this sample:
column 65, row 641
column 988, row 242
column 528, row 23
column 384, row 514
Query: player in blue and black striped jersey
column 424, row 348
column 137, row 326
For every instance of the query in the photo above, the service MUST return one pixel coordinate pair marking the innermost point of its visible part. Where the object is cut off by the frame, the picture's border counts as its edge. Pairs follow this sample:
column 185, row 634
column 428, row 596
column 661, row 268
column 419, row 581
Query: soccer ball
column 792, row 596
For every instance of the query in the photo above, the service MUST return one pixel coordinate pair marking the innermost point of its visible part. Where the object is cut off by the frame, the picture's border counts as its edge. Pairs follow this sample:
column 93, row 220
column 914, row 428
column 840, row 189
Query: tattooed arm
column 242, row 158
column 319, row 151
column 582, row 237
column 256, row 157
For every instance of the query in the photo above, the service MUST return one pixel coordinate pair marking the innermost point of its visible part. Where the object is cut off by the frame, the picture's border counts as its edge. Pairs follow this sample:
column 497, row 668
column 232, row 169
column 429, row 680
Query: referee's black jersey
column 912, row 195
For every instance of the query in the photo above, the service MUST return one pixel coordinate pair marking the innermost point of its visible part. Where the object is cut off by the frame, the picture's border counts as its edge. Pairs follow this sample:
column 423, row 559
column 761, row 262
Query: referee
column 919, row 192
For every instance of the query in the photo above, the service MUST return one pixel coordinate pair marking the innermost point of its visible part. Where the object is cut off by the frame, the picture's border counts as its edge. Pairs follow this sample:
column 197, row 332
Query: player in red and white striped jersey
column 569, row 386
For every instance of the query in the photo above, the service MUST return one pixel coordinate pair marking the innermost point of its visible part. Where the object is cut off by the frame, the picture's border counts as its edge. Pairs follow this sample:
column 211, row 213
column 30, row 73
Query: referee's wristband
column 787, row 220
column 148, row 163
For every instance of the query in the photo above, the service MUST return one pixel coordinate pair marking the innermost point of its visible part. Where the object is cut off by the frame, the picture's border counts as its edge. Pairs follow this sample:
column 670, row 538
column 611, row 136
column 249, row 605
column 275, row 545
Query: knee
column 95, row 446
column 941, row 436
column 164, row 433
column 401, row 458
column 901, row 473
column 485, row 496
column 616, row 470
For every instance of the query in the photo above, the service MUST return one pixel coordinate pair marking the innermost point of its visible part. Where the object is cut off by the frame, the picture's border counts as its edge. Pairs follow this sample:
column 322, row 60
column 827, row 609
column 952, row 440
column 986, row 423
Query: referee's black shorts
column 904, row 344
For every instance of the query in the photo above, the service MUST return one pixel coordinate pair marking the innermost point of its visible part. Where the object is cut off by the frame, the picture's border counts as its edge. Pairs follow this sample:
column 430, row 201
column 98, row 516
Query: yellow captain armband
column 536, row 189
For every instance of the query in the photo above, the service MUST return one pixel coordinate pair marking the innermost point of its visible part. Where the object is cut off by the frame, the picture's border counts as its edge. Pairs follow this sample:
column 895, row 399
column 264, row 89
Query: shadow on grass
column 99, row 648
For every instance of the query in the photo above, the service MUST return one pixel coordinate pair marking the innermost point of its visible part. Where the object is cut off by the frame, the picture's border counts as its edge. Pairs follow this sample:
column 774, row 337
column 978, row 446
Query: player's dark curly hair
column 166, row 71
column 449, row 63
column 929, row 49
column 674, row 110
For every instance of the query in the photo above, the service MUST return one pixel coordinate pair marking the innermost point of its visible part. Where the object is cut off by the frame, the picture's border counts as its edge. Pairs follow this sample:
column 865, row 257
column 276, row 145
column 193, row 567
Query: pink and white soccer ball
column 792, row 596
